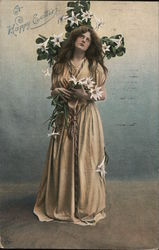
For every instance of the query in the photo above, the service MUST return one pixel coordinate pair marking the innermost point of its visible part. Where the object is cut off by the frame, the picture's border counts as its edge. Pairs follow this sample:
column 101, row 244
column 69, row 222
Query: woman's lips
column 82, row 44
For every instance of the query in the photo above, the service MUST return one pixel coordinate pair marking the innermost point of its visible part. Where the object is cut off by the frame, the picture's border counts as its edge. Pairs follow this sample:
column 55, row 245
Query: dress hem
column 45, row 218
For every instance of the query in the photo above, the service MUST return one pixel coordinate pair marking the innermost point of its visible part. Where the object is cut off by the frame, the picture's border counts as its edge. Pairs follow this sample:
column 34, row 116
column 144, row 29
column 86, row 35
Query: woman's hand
column 80, row 93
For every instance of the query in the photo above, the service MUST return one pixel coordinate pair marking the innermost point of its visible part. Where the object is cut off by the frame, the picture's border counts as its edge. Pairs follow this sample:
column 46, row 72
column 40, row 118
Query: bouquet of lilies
column 61, row 107
column 89, row 86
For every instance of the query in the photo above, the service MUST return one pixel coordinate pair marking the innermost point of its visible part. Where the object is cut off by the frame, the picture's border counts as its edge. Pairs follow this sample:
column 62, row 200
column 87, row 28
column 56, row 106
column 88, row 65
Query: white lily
column 46, row 72
column 101, row 169
column 74, row 19
column 69, row 8
column 74, row 80
column 43, row 46
column 80, row 5
column 105, row 47
column 96, row 93
column 99, row 22
column 82, row 81
column 53, row 134
column 57, row 39
column 62, row 18
column 86, row 15
column 117, row 41
column 89, row 82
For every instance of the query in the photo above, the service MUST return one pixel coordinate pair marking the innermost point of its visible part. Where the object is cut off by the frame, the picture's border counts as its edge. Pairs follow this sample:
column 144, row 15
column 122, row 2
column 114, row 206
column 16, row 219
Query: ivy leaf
column 120, row 53
column 68, row 27
column 105, row 39
column 108, row 56
column 42, row 57
column 39, row 40
column 70, row 4
column 113, row 50
column 39, row 51
column 39, row 58
column 85, row 4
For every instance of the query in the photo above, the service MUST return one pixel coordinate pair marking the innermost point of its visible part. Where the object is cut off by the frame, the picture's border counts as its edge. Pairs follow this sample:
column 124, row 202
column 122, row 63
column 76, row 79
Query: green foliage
column 39, row 40
column 42, row 56
column 115, row 49
column 60, row 108
column 78, row 7
column 51, row 52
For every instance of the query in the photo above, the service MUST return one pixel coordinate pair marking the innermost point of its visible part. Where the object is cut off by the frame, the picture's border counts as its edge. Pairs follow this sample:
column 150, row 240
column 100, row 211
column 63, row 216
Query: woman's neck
column 78, row 55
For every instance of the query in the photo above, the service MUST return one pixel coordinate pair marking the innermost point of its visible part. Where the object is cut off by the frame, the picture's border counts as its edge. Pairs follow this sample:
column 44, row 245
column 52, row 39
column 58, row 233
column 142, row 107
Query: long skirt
column 73, row 184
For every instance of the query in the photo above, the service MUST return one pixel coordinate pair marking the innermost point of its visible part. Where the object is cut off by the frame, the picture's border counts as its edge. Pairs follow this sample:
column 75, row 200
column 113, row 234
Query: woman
column 73, row 182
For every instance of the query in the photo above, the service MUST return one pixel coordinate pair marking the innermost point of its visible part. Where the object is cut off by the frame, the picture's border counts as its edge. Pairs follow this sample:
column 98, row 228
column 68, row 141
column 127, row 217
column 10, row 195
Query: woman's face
column 83, row 41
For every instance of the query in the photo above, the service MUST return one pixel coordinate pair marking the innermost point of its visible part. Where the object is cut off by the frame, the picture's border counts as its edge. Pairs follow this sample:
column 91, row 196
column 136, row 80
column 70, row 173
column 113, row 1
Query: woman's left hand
column 80, row 93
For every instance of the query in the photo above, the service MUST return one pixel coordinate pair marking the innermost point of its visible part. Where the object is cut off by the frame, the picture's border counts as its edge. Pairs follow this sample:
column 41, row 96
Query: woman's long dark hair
column 93, row 54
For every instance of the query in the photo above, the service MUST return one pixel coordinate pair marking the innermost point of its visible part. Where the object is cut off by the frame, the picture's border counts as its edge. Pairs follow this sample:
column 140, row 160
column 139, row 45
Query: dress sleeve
column 100, row 76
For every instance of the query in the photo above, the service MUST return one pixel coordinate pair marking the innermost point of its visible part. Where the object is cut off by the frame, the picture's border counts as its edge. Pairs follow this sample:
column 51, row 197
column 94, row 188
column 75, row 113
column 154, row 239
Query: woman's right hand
column 66, row 94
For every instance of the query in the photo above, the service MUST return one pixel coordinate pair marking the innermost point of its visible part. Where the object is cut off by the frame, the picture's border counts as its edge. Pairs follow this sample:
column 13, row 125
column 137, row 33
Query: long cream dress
column 73, row 184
